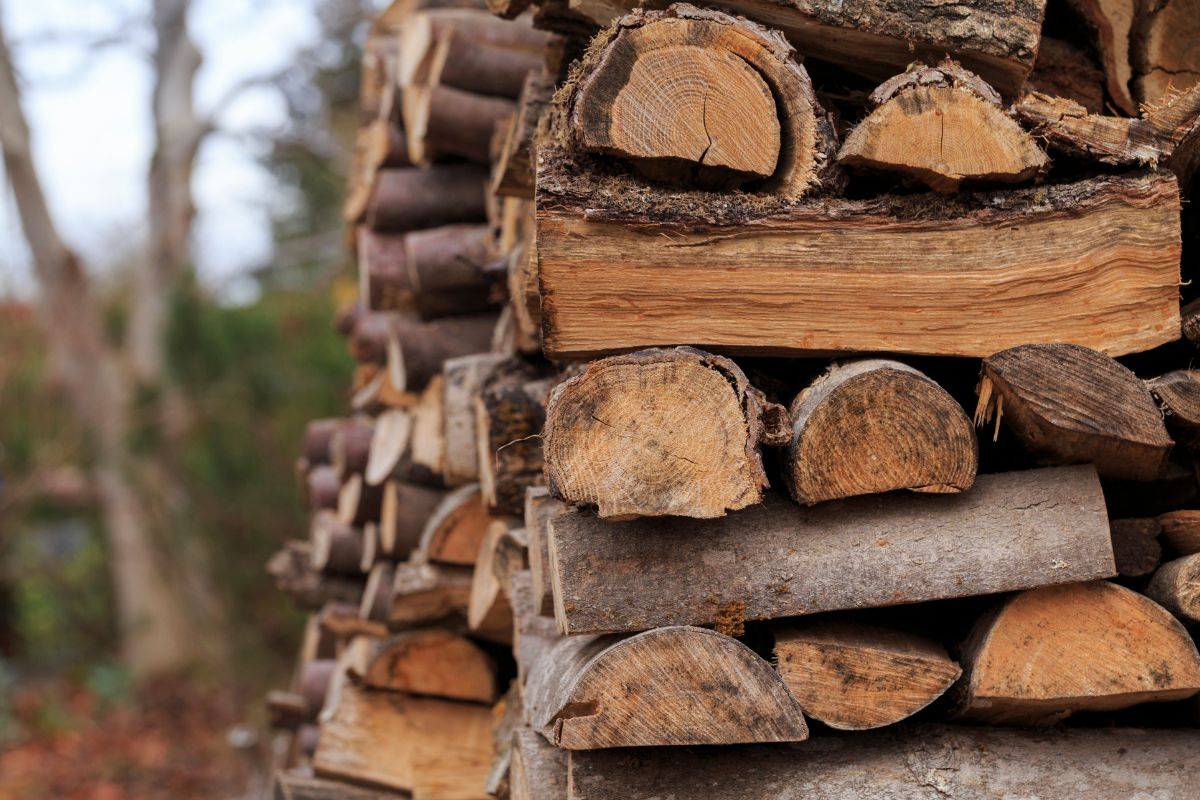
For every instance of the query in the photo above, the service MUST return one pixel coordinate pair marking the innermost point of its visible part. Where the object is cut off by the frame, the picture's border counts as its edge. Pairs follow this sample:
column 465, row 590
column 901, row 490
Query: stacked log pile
column 761, row 400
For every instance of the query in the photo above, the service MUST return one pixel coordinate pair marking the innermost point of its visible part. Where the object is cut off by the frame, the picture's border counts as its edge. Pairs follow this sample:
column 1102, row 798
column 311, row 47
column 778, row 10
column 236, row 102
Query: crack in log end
column 586, row 708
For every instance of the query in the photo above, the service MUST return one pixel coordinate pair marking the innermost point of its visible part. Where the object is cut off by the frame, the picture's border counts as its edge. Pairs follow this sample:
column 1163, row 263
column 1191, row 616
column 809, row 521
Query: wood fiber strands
column 1071, row 405
column 1094, row 263
column 874, row 426
column 660, row 432
column 1049, row 652
column 700, row 98
column 671, row 686
column 942, row 126
column 1011, row 531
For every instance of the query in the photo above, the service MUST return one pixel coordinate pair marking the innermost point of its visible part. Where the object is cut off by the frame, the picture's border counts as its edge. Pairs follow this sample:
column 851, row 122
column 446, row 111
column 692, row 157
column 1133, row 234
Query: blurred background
column 170, row 260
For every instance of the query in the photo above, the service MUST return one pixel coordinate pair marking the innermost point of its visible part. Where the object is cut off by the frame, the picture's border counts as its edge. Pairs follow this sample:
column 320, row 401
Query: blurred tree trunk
column 167, row 610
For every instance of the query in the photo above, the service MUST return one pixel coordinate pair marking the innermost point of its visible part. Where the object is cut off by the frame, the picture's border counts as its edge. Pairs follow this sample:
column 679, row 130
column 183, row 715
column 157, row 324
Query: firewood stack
column 733, row 376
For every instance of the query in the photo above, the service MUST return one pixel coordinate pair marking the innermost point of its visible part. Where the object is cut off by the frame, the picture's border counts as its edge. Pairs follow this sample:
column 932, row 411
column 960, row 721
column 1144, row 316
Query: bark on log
column 293, row 786
column 1064, row 70
column 359, row 503
column 701, row 98
column 660, row 432
column 875, row 426
column 423, row 593
column 1166, row 49
column 442, row 122
column 942, row 126
column 1011, row 531
column 1135, row 546
column 436, row 749
column 437, row 272
column 512, row 175
column 1178, row 395
column 999, row 41
column 1176, row 587
column 1112, row 23
column 377, row 593
column 672, row 686
column 1181, row 529
column 318, row 437
column 510, row 411
column 913, row 763
column 467, row 49
column 456, row 529
column 464, row 376
column 614, row 280
column 1047, row 653
column 538, row 769
column 417, row 349
column 287, row 710
column 350, row 447
column 405, row 511
column 1070, row 405
column 540, row 507
column 432, row 662
column 410, row 198
column 533, row 633
column 321, row 486
column 336, row 546
column 291, row 568
column 853, row 676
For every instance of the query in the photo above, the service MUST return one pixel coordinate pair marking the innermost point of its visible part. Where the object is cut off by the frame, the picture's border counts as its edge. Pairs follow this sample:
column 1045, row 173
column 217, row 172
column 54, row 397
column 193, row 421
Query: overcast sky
column 92, row 129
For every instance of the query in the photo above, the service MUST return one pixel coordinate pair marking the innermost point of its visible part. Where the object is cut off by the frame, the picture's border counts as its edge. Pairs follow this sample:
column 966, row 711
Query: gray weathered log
column 1012, row 531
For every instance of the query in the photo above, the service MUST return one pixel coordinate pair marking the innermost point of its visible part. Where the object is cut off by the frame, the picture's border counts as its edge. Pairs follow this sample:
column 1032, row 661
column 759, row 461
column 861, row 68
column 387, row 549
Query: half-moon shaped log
column 435, row 663
column 875, row 426
column 670, row 686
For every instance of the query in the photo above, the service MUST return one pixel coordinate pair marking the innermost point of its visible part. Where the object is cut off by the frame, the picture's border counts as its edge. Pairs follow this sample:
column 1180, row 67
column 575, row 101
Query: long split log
column 1095, row 263
column 660, row 432
column 875, row 426
column 1049, row 652
column 671, row 686
column 918, row 763
column 1011, row 531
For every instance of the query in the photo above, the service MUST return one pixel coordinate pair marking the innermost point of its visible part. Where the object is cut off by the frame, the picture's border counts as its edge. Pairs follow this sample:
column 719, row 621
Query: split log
column 1064, row 70
column 423, row 593
column 1112, row 23
column 538, row 770
column 436, row 749
column 443, row 122
column 1047, row 653
column 1135, row 546
column 540, row 507
column 437, row 272
column 1176, row 587
column 1178, row 395
column 1149, row 140
column 427, row 450
column 508, row 715
column 524, row 299
column 1166, row 53
column 489, row 612
column 321, row 487
column 411, row 198
column 344, row 623
column 510, row 411
column 660, row 432
column 456, row 529
column 878, row 40
column 358, row 502
column 432, row 662
column 942, row 126
column 533, row 633
column 1181, row 529
column 463, row 377
column 1189, row 323
column 701, row 98
column 853, row 676
column 377, row 592
column 405, row 511
column 294, row 786
column 614, row 279
column 875, row 426
column 915, row 763
column 389, row 443
column 671, row 686
column 1011, row 531
column 1070, row 405
column 512, row 174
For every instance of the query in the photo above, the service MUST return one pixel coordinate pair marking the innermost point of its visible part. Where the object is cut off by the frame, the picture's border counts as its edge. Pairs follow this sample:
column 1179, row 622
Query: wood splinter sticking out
column 942, row 126
column 700, row 98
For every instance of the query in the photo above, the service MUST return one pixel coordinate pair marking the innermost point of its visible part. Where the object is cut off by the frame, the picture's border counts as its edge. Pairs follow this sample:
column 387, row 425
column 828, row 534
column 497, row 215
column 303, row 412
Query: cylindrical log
column 336, row 547
column 405, row 510
column 412, row 199
column 358, row 501
column 424, row 346
column 1176, row 586
column 377, row 595
column 488, row 68
column 313, row 682
column 322, row 486
column 350, row 447
column 451, row 122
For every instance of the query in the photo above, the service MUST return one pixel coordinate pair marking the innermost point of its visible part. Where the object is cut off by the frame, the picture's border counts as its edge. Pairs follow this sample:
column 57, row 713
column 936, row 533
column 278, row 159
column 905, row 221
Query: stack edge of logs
column 760, row 400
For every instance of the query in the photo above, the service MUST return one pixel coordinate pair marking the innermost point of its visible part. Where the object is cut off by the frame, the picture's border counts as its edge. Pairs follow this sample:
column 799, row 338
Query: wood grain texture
column 404, row 512
column 489, row 612
column 874, row 426
column 919, row 763
column 1166, row 48
column 454, row 532
column 1135, row 546
column 540, row 508
column 1181, row 530
column 671, row 686
column 423, row 593
column 659, row 432
column 539, row 769
column 1112, row 24
column 854, row 676
column 510, row 410
column 410, row 198
column 942, row 126
column 295, row 786
column 433, row 662
column 1070, row 405
column 533, row 632
column 1046, row 653
column 1095, row 263
column 1178, row 395
column 1176, row 587
column 1011, row 531
column 463, row 377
